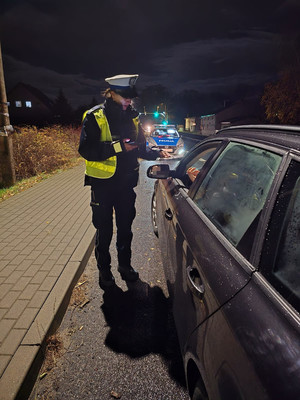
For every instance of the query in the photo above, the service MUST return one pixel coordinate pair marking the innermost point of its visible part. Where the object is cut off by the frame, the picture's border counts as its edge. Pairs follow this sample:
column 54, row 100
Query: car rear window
column 235, row 189
column 165, row 133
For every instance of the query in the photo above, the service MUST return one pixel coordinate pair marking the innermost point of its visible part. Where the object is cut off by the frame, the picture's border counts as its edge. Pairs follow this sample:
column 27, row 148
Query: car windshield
column 165, row 133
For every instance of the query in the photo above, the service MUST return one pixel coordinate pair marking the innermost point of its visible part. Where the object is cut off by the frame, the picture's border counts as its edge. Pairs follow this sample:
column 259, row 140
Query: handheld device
column 129, row 141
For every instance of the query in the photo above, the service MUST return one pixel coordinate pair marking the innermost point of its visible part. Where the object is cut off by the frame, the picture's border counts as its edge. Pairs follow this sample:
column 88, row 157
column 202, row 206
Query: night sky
column 212, row 46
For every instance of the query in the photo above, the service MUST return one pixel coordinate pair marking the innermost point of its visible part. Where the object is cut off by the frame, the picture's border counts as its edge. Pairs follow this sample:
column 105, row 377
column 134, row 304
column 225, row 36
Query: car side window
column 195, row 165
column 234, row 192
column 281, row 254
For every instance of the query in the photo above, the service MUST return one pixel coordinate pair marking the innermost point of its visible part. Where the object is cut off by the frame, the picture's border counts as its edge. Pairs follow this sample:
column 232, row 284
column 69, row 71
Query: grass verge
column 24, row 184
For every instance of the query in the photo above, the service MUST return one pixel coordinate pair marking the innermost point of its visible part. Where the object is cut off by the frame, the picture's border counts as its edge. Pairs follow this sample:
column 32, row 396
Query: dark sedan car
column 230, row 237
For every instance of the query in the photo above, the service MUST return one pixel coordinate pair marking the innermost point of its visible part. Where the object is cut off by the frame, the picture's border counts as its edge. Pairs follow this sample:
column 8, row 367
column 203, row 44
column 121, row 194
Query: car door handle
column 168, row 214
column 195, row 282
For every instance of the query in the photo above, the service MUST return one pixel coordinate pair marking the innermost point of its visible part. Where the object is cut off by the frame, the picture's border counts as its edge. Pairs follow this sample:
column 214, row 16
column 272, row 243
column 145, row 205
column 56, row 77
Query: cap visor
column 127, row 93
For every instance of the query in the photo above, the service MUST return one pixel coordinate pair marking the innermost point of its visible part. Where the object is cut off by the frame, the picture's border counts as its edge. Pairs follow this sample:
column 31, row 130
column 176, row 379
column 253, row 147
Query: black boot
column 106, row 278
column 128, row 273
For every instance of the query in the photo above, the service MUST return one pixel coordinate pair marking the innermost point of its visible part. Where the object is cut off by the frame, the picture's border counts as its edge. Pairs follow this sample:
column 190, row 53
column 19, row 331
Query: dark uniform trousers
column 103, row 202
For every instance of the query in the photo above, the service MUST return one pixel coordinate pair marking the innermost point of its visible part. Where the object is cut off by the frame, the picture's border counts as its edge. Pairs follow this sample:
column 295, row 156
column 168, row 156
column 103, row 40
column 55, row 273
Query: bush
column 43, row 150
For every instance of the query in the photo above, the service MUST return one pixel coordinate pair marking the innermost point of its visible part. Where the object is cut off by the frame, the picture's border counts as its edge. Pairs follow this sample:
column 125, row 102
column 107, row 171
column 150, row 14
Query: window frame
column 257, row 245
column 269, row 253
column 180, row 171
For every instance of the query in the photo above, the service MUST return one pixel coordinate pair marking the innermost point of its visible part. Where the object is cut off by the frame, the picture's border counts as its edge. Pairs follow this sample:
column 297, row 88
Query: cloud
column 78, row 88
column 206, row 46
column 216, row 64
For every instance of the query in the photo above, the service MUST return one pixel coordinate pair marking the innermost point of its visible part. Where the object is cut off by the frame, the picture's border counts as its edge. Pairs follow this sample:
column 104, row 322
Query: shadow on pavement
column 141, row 322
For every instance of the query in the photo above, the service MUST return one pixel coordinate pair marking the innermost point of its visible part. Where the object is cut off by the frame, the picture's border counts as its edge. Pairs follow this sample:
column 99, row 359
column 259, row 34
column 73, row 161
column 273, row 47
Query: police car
column 166, row 137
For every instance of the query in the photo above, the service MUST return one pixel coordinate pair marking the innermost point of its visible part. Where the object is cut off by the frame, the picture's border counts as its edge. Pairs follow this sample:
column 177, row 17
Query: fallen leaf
column 84, row 303
column 80, row 283
column 43, row 375
column 115, row 394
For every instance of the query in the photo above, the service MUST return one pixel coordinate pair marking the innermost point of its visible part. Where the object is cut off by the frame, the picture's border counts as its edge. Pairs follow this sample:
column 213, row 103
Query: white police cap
column 123, row 85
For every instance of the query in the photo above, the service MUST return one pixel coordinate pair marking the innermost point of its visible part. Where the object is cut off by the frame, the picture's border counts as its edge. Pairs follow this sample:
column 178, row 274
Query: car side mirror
column 158, row 171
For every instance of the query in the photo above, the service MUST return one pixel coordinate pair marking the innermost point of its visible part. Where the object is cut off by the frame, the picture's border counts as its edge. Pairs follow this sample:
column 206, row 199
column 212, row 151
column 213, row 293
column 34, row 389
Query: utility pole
column 7, row 169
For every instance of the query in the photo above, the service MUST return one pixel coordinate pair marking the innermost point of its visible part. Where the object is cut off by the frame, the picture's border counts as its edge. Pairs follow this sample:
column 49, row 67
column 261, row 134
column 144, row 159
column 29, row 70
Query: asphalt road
column 121, row 343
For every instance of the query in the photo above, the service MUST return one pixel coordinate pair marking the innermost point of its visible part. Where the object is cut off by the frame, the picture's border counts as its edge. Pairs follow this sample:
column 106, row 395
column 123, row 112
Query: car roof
column 280, row 135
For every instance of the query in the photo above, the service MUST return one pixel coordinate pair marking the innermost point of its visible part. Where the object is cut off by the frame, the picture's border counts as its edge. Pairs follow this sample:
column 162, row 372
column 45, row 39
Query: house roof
column 36, row 92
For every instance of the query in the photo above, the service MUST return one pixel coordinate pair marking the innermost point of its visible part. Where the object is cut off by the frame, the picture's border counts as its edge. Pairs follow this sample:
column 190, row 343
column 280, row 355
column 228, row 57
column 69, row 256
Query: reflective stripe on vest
column 136, row 124
column 103, row 169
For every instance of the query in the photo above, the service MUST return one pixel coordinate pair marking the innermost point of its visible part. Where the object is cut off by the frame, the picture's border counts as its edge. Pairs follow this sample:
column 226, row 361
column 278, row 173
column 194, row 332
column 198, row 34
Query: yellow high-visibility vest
column 103, row 169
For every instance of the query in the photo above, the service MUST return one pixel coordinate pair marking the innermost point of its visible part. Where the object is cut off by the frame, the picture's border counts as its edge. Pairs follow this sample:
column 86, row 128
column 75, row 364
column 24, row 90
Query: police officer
column 111, row 142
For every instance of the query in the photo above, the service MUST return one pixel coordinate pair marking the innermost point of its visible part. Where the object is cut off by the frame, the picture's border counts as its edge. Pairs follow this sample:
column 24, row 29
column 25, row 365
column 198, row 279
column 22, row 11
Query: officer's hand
column 164, row 154
column 129, row 146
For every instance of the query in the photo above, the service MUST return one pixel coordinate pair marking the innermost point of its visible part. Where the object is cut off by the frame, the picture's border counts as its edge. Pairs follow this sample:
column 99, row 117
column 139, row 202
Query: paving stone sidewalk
column 46, row 238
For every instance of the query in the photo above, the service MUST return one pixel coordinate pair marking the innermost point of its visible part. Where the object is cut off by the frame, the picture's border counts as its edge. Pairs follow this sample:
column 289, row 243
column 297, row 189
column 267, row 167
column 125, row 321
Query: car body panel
column 165, row 142
column 248, row 339
column 203, row 254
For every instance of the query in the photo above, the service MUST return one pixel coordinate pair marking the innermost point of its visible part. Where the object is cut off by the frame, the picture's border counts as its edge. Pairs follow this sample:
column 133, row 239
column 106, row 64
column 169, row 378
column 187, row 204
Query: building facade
column 242, row 112
column 28, row 105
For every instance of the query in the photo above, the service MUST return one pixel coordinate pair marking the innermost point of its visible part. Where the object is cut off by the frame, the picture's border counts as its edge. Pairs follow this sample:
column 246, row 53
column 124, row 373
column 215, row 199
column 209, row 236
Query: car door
column 212, row 230
column 166, row 218
column 250, row 347
column 278, row 279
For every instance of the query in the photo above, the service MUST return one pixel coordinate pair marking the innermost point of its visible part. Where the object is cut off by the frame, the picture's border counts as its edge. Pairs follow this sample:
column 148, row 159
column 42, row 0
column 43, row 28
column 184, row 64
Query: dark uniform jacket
column 121, row 127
